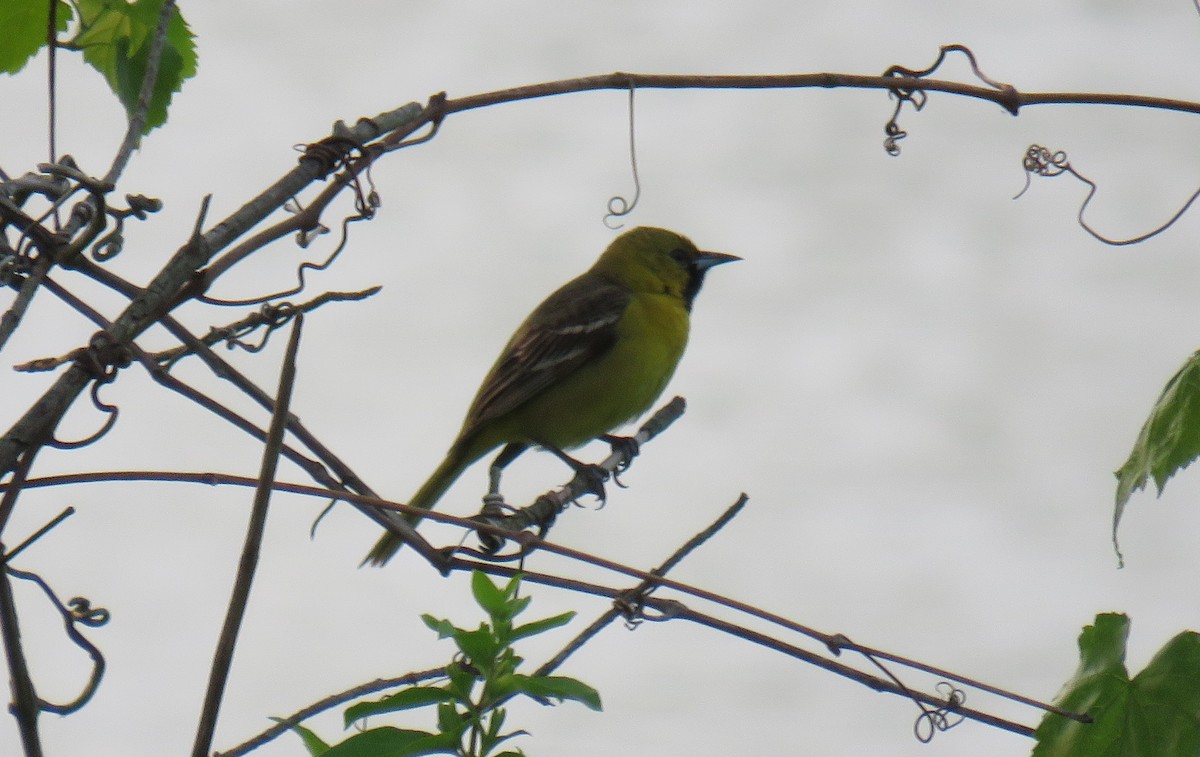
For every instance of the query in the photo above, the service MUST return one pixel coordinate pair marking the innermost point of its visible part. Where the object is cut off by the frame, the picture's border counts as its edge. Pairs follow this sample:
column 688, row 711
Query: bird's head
column 648, row 259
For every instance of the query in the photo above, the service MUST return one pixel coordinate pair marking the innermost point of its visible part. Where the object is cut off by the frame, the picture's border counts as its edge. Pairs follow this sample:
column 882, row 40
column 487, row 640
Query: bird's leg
column 627, row 447
column 593, row 475
column 510, row 452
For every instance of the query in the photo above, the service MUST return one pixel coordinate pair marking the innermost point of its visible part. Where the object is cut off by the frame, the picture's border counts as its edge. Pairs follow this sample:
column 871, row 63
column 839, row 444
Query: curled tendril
column 935, row 719
column 102, row 359
column 618, row 206
column 917, row 97
column 1041, row 161
column 83, row 612
column 78, row 611
column 366, row 202
column 271, row 315
column 110, row 245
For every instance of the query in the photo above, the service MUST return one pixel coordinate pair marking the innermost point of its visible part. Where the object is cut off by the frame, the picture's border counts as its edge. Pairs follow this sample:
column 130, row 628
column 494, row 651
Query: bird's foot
column 593, row 477
column 625, row 446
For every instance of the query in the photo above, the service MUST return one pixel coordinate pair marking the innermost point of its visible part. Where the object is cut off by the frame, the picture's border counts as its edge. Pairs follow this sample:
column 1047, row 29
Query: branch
column 1010, row 98
column 223, row 656
column 162, row 292
column 285, row 724
column 24, row 705
column 834, row 642
column 548, row 506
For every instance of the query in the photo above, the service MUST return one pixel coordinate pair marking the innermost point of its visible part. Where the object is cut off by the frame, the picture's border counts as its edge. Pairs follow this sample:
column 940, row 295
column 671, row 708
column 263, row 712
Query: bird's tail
column 425, row 498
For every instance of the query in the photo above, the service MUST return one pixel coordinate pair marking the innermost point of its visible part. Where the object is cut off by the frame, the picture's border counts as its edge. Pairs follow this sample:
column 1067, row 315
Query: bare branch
column 163, row 291
column 1011, row 100
column 329, row 702
column 223, row 656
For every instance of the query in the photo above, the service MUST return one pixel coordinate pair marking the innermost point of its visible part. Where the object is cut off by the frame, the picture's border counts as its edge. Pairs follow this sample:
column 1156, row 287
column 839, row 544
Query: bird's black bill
column 706, row 260
column 696, row 270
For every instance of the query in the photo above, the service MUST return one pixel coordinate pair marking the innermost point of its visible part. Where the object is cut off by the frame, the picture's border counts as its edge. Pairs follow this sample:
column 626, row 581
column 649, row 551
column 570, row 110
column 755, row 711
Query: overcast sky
column 923, row 385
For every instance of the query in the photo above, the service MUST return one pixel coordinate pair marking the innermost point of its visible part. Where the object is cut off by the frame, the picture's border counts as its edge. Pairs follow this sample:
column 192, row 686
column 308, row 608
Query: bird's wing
column 572, row 327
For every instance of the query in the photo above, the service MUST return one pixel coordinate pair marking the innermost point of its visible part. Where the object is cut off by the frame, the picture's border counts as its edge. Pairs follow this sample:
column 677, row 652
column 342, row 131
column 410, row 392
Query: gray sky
column 923, row 385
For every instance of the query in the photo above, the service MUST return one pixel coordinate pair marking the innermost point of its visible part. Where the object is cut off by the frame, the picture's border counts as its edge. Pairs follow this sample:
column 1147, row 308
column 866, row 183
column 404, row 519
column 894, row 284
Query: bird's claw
column 625, row 446
column 593, row 477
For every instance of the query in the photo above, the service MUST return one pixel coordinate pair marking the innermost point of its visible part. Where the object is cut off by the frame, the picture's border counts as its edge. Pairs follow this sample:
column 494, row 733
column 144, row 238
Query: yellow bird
column 593, row 356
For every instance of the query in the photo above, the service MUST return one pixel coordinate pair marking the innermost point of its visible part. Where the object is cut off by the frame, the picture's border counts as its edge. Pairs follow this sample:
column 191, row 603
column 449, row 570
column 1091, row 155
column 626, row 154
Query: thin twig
column 1010, row 100
column 285, row 724
column 12, row 317
column 343, row 477
column 616, row 610
column 24, row 707
column 223, row 656
column 668, row 609
column 831, row 641
column 162, row 291
column 882, row 685
column 137, row 119
column 272, row 317
column 52, row 81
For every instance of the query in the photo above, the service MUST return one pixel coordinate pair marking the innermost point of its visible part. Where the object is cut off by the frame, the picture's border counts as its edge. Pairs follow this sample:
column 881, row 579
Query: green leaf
column 1156, row 714
column 501, row 603
column 479, row 646
column 462, row 680
column 541, row 626
column 312, row 742
column 490, row 597
column 406, row 699
column 444, row 628
column 1169, row 440
column 115, row 37
column 451, row 722
column 24, row 24
column 393, row 742
column 561, row 688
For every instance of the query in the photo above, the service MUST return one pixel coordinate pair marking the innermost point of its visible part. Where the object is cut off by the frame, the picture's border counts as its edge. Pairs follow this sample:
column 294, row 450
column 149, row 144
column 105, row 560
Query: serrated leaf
column 1156, row 714
column 24, row 24
column 1169, row 440
column 115, row 37
column 312, row 742
column 393, row 742
column 406, row 699
column 541, row 626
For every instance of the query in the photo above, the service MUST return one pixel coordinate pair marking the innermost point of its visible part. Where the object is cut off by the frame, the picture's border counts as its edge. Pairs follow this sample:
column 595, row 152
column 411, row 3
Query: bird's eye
column 680, row 255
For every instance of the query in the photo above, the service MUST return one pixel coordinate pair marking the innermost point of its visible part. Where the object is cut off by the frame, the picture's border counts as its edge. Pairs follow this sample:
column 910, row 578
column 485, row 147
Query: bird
column 593, row 356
